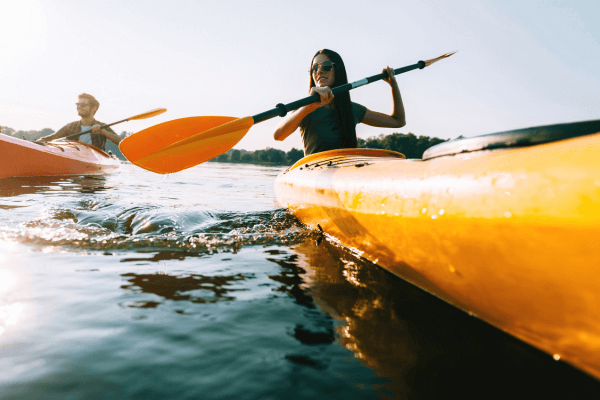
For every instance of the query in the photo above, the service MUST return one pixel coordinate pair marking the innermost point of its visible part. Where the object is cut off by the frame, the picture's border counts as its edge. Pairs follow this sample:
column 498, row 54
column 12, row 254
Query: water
column 198, row 285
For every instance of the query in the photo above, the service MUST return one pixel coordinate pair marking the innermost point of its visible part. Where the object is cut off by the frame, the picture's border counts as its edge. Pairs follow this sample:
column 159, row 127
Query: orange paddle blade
column 149, row 114
column 161, row 136
column 194, row 149
column 429, row 62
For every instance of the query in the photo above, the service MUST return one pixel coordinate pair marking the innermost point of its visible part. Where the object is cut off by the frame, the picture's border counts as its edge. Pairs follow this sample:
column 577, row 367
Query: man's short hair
column 91, row 99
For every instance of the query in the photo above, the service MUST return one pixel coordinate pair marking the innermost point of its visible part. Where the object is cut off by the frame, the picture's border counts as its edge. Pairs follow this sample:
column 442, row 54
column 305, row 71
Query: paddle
column 145, row 115
column 182, row 143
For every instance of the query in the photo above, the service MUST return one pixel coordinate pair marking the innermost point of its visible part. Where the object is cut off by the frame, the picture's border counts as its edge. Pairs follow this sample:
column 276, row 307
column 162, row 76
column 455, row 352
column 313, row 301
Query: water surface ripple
column 198, row 285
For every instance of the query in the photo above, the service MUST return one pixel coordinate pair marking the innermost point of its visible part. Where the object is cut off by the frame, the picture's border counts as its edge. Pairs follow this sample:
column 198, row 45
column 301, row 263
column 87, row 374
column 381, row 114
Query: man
column 86, row 108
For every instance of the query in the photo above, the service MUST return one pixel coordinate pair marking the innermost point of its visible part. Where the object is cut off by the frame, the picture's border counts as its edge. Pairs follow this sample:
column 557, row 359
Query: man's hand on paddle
column 97, row 129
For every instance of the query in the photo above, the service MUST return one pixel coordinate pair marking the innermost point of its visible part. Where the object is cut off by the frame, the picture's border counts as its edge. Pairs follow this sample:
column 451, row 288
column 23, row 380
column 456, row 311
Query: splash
column 150, row 227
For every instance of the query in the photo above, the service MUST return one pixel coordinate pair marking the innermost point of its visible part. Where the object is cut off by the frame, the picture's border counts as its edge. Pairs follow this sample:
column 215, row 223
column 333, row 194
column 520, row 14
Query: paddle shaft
column 101, row 126
column 282, row 109
column 179, row 144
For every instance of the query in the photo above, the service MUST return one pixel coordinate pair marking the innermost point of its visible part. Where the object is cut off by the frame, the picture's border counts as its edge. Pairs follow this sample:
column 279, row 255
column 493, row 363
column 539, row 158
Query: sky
column 519, row 63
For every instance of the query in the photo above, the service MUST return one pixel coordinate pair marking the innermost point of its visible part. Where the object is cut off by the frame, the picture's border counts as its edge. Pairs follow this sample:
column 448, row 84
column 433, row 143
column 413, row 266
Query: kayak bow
column 22, row 158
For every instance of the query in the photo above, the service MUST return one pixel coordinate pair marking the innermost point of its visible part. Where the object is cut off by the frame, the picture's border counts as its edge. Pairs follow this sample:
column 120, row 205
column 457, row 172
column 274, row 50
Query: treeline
column 410, row 145
column 27, row 135
column 35, row 135
column 268, row 156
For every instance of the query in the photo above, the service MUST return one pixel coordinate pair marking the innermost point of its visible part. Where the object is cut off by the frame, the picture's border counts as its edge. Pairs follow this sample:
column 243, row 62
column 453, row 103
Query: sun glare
column 16, row 22
column 22, row 29
column 7, row 280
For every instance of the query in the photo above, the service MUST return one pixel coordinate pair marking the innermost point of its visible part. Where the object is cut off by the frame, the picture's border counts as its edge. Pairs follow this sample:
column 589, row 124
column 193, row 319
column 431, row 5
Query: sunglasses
column 327, row 66
column 82, row 104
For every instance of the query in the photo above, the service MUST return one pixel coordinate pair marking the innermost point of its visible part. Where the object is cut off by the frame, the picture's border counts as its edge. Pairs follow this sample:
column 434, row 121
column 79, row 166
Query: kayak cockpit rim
column 515, row 138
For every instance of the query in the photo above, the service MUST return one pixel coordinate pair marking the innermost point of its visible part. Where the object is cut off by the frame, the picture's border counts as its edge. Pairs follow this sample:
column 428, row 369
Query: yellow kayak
column 504, row 226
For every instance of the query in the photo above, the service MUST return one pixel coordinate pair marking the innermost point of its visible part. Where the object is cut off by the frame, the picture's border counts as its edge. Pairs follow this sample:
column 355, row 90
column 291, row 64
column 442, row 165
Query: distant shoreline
column 410, row 145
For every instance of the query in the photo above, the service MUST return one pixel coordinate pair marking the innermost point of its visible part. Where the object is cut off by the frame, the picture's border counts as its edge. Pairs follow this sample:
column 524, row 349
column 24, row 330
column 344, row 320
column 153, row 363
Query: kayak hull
column 22, row 158
column 509, row 236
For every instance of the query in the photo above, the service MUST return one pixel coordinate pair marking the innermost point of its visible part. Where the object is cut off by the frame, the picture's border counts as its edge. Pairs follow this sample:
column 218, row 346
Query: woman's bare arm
column 292, row 120
column 398, row 118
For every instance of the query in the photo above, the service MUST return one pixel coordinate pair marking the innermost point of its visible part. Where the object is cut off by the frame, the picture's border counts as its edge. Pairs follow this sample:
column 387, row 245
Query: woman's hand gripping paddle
column 182, row 143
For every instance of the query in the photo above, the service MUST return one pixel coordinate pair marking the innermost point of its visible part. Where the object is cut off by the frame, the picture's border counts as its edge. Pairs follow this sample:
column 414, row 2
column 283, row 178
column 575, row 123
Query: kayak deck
column 507, row 235
column 22, row 158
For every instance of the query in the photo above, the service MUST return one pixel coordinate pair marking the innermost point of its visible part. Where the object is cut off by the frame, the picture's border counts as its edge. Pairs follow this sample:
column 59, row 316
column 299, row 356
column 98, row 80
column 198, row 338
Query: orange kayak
column 503, row 226
column 66, row 157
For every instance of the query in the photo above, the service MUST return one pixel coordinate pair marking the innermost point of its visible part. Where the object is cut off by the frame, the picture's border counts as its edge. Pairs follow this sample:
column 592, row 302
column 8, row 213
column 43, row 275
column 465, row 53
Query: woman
column 331, row 124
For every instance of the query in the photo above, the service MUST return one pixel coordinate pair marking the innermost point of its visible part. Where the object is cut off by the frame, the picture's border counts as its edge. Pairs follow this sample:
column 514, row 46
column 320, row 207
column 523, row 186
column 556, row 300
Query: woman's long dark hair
column 342, row 103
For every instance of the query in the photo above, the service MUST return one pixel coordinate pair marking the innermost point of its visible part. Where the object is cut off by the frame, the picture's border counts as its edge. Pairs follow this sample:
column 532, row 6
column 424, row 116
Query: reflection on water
column 321, row 330
column 11, row 309
column 208, row 289
column 159, row 256
column 9, row 315
column 291, row 278
column 195, row 288
column 10, row 187
column 7, row 278
column 414, row 338
column 364, row 298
